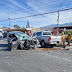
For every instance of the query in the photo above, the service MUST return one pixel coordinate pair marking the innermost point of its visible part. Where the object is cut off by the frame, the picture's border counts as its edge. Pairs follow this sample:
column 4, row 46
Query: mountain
column 55, row 25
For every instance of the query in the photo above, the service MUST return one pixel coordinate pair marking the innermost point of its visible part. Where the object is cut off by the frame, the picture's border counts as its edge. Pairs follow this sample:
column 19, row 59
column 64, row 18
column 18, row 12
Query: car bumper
column 55, row 42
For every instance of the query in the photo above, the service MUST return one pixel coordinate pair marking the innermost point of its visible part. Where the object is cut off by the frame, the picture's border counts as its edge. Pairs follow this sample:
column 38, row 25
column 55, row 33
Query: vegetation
column 17, row 26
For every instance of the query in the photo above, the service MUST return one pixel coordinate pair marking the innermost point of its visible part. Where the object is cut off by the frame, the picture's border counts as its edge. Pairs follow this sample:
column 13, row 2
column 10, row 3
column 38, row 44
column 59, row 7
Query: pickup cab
column 46, row 38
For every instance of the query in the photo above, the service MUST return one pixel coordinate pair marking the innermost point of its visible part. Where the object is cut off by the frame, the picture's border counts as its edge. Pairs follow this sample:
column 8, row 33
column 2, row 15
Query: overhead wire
column 39, row 14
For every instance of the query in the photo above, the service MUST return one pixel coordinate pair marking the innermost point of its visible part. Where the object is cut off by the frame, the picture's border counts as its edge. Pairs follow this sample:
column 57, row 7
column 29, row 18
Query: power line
column 39, row 14
column 3, row 20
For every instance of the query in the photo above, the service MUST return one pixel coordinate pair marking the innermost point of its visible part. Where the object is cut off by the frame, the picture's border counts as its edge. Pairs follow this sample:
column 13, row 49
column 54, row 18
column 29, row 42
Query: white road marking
column 56, row 57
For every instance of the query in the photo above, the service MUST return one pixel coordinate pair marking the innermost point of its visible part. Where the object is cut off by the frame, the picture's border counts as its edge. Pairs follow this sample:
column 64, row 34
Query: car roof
column 46, row 31
column 15, row 32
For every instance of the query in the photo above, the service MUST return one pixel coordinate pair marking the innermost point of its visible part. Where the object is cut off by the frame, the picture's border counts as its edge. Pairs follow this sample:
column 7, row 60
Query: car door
column 14, row 42
column 9, row 38
column 38, row 34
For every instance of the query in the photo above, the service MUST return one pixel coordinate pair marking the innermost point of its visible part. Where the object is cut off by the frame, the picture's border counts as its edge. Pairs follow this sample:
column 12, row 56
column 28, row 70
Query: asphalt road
column 34, row 60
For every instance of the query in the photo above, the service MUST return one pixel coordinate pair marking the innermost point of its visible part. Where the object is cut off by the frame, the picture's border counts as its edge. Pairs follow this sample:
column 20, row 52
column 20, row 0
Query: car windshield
column 34, row 34
column 46, row 33
column 19, row 33
column 38, row 33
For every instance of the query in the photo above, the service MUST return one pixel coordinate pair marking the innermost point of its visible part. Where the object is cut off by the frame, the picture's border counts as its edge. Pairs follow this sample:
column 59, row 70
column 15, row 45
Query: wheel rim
column 42, row 43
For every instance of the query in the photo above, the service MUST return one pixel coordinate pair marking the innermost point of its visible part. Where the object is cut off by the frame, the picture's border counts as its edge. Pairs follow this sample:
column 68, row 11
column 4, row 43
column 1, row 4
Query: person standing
column 63, row 39
column 29, row 33
column 1, row 36
column 69, row 38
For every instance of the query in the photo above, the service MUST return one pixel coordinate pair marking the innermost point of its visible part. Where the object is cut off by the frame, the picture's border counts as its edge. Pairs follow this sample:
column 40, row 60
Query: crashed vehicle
column 20, row 40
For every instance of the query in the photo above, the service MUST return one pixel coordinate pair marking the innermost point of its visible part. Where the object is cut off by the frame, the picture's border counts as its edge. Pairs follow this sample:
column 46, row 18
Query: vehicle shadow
column 4, row 47
column 56, row 46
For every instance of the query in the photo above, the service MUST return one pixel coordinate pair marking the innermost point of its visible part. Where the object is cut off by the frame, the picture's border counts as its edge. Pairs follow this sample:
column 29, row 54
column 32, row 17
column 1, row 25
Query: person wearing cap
column 63, row 39
column 69, row 38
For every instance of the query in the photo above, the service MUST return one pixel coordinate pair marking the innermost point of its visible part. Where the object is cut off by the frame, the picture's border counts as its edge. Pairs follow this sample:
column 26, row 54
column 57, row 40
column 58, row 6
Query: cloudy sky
column 22, row 8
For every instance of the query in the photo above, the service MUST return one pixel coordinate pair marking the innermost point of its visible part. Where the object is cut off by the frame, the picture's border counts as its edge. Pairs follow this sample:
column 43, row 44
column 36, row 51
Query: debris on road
column 48, row 49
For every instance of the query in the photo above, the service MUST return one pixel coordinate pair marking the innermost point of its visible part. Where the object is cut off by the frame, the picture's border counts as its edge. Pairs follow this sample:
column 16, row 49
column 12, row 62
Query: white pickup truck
column 46, row 38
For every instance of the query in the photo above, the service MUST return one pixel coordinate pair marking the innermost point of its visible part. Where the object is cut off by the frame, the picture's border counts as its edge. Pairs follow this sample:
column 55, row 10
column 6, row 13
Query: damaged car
column 20, row 40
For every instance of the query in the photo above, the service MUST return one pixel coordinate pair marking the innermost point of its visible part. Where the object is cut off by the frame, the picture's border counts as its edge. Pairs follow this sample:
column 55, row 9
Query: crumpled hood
column 23, row 37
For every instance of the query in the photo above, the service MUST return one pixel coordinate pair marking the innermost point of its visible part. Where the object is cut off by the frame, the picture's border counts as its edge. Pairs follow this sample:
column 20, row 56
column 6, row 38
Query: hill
column 55, row 25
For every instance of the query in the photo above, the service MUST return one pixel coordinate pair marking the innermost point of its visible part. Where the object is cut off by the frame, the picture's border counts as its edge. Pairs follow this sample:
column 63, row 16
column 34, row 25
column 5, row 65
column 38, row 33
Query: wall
column 35, row 30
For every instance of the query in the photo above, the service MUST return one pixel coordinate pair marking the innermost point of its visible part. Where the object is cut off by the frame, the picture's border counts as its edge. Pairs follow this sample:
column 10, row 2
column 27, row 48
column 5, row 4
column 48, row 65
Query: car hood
column 23, row 37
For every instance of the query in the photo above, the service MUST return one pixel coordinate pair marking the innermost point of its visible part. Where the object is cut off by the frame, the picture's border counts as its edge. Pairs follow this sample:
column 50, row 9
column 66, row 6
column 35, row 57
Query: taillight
column 49, row 39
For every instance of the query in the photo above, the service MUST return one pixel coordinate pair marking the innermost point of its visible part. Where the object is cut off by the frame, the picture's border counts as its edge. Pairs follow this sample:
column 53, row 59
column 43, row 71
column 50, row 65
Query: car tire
column 10, row 45
column 42, row 44
column 51, row 46
column 26, row 45
column 19, row 47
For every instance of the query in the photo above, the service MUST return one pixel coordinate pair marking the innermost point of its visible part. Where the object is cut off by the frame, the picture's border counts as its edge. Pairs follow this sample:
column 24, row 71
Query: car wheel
column 51, row 46
column 26, row 45
column 42, row 44
column 10, row 46
column 19, row 47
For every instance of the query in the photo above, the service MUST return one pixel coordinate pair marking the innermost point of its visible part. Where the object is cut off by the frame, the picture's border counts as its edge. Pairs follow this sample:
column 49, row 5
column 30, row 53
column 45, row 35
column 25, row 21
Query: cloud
column 20, row 5
column 18, row 10
column 16, row 3
column 66, row 17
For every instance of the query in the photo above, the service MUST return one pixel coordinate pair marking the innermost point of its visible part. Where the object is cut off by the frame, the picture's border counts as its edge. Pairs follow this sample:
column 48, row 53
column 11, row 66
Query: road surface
column 34, row 60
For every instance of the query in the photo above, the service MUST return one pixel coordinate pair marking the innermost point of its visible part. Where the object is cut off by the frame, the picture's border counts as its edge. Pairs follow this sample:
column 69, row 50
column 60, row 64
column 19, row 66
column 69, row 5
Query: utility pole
column 58, row 22
column 58, row 19
column 9, row 22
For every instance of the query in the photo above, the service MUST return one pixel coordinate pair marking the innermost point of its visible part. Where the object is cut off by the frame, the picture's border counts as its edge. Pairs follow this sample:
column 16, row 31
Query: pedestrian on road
column 1, row 37
column 69, row 38
column 63, row 39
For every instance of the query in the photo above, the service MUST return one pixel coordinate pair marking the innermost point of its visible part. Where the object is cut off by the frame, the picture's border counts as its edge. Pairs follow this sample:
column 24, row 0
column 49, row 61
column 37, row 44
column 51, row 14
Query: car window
column 10, row 36
column 34, row 34
column 46, row 33
column 38, row 33
column 13, row 36
column 15, row 39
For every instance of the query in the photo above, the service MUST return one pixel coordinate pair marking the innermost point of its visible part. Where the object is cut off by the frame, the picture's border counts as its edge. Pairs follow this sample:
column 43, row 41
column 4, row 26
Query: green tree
column 17, row 26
